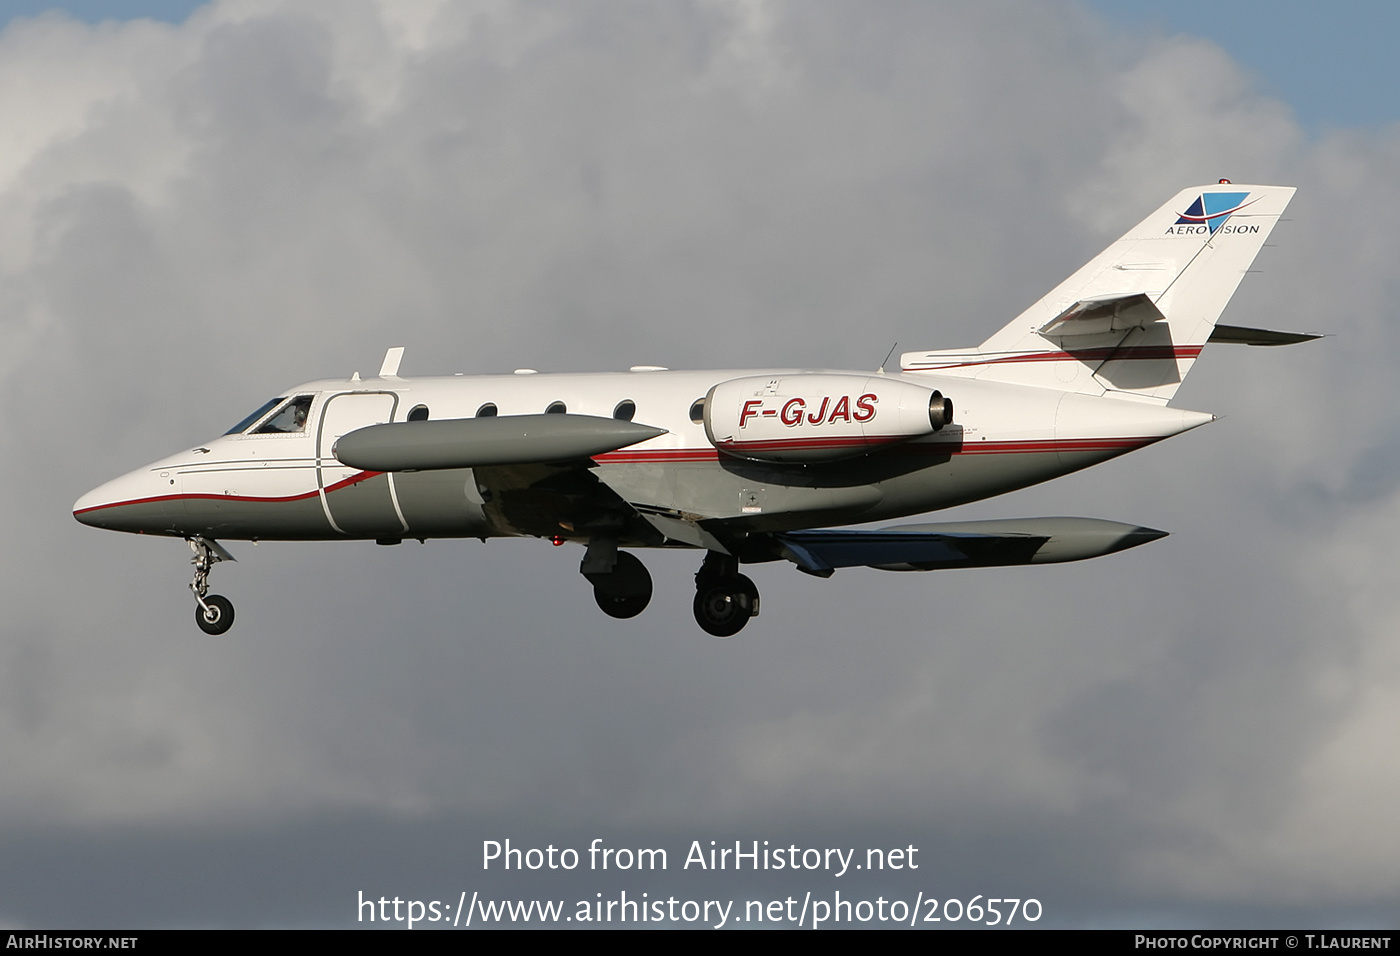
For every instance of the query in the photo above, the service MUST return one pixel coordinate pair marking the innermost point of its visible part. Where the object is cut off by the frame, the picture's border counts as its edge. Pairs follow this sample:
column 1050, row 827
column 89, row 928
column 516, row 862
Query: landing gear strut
column 214, row 612
column 724, row 598
column 621, row 583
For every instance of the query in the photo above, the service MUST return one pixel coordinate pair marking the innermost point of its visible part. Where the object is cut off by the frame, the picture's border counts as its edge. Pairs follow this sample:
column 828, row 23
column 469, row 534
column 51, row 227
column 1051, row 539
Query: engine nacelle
column 813, row 416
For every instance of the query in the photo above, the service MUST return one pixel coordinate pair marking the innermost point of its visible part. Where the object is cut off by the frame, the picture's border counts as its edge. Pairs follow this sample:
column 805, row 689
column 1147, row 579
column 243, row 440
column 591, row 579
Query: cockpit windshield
column 267, row 407
column 290, row 420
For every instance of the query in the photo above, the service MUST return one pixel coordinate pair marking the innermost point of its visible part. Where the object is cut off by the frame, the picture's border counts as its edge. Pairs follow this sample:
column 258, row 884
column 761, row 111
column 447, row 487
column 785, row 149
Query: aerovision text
column 701, row 855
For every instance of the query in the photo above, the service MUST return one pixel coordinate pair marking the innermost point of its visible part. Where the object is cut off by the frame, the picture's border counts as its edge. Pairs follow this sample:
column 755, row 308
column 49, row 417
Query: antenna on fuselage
column 881, row 369
column 392, row 358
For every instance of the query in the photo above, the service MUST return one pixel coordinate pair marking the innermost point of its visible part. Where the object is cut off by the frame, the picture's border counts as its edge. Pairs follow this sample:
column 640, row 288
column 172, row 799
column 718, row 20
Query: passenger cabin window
column 418, row 414
column 486, row 411
column 267, row 407
column 697, row 412
column 290, row 420
column 625, row 410
column 556, row 408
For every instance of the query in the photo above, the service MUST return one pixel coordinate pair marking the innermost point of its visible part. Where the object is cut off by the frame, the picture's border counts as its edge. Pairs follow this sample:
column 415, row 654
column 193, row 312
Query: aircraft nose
column 83, row 505
column 117, row 504
column 88, row 509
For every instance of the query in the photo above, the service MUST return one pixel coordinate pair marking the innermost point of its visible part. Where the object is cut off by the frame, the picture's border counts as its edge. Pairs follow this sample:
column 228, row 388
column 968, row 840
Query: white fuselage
column 289, row 485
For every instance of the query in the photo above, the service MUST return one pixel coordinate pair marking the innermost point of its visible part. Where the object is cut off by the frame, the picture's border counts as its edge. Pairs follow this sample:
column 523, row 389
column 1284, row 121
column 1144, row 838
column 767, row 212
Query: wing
column 967, row 544
column 534, row 473
column 560, row 499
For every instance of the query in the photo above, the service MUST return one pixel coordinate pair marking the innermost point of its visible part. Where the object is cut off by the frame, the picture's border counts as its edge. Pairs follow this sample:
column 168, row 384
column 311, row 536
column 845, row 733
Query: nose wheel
column 724, row 598
column 213, row 612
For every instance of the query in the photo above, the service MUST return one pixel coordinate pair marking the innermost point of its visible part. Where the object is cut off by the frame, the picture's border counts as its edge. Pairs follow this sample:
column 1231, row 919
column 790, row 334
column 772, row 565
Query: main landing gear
column 724, row 598
column 214, row 612
column 621, row 583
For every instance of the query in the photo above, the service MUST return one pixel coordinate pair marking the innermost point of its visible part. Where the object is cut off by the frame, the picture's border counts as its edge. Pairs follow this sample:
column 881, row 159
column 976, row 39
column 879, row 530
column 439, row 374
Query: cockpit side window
column 267, row 407
column 290, row 420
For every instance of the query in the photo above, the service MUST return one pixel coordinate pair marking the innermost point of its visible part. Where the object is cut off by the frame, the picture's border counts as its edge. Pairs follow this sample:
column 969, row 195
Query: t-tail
column 1131, row 322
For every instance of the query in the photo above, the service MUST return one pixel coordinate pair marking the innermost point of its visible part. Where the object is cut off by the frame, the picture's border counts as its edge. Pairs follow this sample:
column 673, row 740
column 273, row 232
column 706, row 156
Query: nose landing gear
column 214, row 612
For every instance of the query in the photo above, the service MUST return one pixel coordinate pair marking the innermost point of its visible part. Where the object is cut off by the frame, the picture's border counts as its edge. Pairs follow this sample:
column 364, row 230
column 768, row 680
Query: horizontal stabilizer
column 1104, row 313
column 963, row 544
column 1238, row 335
column 479, row 442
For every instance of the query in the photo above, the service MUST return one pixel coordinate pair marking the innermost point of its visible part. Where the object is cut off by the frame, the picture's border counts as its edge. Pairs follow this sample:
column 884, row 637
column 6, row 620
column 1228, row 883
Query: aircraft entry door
column 354, row 504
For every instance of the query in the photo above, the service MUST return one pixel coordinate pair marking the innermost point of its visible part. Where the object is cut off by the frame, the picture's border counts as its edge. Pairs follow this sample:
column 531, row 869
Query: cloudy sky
column 201, row 206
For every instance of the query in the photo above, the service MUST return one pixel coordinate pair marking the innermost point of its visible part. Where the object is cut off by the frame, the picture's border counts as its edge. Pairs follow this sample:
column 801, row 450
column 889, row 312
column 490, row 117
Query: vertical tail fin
column 1132, row 321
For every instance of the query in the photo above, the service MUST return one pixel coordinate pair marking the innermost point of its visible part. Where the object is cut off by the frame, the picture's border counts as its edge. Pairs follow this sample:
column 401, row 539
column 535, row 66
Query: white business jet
column 742, row 465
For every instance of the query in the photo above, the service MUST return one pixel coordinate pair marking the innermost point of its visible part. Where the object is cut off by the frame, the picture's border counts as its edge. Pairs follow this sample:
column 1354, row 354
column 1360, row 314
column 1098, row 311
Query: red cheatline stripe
column 344, row 483
column 1137, row 353
column 674, row 455
column 658, row 454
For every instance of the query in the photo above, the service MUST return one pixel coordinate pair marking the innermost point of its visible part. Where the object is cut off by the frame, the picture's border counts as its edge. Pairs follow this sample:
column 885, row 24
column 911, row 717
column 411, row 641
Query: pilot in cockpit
column 290, row 420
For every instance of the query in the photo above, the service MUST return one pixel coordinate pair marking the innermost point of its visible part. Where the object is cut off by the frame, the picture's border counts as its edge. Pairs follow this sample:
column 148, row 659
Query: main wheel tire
column 621, row 606
column 219, row 617
column 625, row 591
column 723, row 609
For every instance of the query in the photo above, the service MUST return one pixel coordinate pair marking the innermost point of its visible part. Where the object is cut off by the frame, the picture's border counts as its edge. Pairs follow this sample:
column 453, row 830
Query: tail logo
column 1212, row 209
